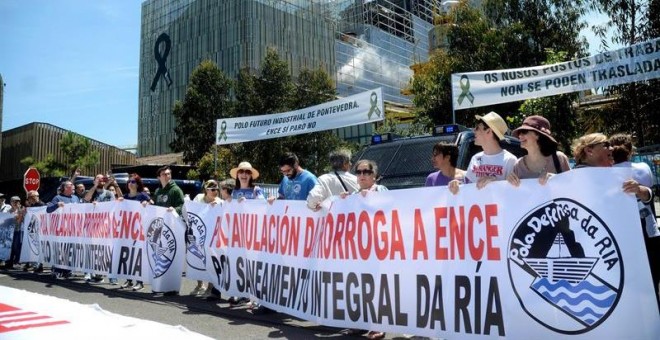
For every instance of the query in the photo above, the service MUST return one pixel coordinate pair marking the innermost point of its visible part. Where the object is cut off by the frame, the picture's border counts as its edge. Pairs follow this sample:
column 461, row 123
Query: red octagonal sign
column 31, row 179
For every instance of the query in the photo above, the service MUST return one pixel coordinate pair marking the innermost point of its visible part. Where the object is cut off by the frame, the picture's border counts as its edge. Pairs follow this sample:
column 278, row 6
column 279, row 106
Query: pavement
column 216, row 319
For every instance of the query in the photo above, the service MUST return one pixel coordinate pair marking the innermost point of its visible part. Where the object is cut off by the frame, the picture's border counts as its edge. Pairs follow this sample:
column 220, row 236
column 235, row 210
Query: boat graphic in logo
column 33, row 234
column 195, row 239
column 161, row 247
column 565, row 267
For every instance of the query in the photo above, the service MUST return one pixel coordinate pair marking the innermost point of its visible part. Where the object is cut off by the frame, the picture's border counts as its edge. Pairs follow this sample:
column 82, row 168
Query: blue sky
column 74, row 64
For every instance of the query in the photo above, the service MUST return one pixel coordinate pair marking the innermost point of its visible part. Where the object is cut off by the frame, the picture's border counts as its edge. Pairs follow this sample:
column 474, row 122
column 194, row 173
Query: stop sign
column 31, row 179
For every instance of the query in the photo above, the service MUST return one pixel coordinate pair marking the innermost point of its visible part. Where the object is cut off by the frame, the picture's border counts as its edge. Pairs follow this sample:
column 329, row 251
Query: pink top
column 522, row 171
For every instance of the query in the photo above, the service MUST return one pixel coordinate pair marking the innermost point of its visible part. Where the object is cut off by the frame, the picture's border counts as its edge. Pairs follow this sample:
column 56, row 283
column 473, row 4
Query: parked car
column 406, row 162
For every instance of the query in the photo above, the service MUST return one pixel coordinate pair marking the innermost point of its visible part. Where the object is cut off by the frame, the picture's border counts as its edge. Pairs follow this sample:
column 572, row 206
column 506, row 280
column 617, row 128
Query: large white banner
column 528, row 262
column 629, row 64
column 118, row 239
column 564, row 259
column 365, row 107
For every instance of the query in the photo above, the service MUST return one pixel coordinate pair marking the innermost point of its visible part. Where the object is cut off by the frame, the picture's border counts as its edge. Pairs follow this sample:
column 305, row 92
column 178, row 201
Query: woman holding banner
column 135, row 193
column 595, row 150
column 367, row 173
column 211, row 195
column 622, row 153
column 245, row 175
column 542, row 160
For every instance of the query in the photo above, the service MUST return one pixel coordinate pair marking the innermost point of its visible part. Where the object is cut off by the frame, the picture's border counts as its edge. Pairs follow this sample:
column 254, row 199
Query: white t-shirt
column 498, row 165
column 641, row 172
column 329, row 185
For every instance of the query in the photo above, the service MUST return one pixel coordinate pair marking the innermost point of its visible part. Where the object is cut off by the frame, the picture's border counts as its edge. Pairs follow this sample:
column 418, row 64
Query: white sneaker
column 198, row 290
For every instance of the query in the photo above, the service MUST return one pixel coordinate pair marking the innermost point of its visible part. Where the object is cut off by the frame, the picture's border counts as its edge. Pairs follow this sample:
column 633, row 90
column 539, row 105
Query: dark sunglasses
column 132, row 181
column 606, row 145
column 212, row 189
column 245, row 172
column 364, row 172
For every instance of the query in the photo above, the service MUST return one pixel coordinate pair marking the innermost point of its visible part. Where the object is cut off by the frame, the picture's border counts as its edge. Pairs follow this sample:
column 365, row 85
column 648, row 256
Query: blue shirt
column 248, row 193
column 140, row 197
column 297, row 188
column 53, row 205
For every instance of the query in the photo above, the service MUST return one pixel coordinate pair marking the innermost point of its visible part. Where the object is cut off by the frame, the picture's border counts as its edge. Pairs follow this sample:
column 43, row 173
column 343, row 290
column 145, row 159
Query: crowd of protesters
column 542, row 161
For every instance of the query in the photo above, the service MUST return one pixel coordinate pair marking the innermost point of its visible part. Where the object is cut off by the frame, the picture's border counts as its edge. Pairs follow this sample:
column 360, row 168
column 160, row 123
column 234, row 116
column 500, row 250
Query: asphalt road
column 214, row 319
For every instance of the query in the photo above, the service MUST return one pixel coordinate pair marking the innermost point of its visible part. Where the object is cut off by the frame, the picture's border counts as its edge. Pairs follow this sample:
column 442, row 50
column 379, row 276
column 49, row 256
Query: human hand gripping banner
column 534, row 261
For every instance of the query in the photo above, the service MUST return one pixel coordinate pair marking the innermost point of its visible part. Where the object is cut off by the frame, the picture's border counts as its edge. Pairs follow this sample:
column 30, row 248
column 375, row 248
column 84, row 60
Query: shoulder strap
column 555, row 159
column 341, row 181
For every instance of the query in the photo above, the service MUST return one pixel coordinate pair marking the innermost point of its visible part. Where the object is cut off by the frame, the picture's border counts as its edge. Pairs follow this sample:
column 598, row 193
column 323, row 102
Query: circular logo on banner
column 161, row 247
column 33, row 234
column 195, row 239
column 565, row 267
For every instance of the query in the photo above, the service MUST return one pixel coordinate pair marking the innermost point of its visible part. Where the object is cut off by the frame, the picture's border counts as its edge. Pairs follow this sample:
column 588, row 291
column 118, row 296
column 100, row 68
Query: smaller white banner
column 626, row 65
column 365, row 107
column 7, row 223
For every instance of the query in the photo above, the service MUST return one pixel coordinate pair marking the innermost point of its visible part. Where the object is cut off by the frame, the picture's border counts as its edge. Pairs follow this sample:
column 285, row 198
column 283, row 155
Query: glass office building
column 364, row 44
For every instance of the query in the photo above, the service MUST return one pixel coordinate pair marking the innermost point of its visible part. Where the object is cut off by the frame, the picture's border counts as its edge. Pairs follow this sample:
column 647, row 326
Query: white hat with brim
column 495, row 123
column 244, row 166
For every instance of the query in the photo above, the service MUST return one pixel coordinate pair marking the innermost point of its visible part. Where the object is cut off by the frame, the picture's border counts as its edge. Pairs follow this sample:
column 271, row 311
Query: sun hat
column 537, row 124
column 495, row 123
column 244, row 166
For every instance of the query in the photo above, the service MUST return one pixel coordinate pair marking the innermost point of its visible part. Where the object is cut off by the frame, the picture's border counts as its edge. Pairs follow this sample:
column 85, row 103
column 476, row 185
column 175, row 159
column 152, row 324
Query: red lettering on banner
column 419, row 242
column 397, row 238
column 457, row 234
column 350, row 249
column 335, row 236
column 127, row 226
column 219, row 235
column 492, row 231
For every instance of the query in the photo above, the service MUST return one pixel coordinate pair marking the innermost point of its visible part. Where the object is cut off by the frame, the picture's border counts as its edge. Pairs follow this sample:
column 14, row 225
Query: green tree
column 506, row 34
column 207, row 99
column 557, row 109
column 271, row 89
column 47, row 167
column 630, row 22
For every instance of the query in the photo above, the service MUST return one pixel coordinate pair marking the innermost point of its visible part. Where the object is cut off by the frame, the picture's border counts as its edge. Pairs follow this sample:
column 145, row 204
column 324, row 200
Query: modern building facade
column 38, row 140
column 364, row 44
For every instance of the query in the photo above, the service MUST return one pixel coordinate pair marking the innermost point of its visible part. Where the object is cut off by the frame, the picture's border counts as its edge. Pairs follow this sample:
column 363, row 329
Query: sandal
column 375, row 335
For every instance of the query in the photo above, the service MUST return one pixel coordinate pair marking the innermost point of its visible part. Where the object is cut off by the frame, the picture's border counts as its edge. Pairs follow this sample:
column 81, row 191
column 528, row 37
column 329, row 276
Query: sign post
column 31, row 180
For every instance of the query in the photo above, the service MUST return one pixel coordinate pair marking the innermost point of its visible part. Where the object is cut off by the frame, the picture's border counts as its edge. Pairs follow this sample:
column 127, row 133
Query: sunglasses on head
column 364, row 172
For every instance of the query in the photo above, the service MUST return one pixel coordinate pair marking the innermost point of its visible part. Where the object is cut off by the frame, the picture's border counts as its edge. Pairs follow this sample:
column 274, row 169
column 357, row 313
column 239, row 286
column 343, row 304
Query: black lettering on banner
column 430, row 307
column 222, row 271
column 240, row 281
column 130, row 261
column 465, row 295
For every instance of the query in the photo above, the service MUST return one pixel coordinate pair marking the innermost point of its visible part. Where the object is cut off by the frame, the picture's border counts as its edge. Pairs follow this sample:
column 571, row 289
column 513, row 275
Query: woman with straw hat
column 245, row 174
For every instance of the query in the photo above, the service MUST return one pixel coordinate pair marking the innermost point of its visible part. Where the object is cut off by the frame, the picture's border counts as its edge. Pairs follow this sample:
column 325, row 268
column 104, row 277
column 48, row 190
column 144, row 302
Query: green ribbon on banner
column 223, row 131
column 374, row 106
column 465, row 88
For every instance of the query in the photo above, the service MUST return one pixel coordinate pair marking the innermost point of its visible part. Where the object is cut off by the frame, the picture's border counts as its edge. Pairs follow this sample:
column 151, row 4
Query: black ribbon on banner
column 161, row 59
column 465, row 90
column 223, row 131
